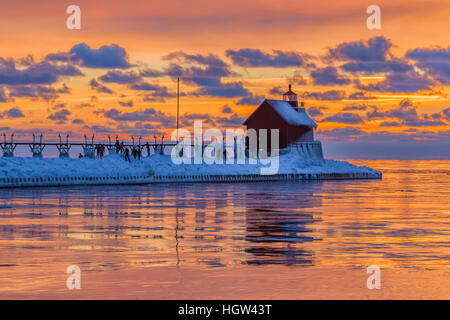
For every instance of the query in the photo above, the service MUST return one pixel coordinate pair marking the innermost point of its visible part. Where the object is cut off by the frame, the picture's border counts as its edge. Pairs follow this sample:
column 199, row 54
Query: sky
column 375, row 94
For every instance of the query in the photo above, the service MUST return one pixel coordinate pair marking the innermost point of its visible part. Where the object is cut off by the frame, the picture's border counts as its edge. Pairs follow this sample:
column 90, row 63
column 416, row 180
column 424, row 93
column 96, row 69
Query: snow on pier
column 113, row 169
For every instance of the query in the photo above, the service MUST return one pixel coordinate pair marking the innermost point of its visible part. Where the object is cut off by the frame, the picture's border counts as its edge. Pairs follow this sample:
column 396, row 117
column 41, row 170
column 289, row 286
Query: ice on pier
column 161, row 165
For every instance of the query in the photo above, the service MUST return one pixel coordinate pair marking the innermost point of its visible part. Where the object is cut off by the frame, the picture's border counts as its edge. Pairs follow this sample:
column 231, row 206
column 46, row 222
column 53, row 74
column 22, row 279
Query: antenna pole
column 178, row 105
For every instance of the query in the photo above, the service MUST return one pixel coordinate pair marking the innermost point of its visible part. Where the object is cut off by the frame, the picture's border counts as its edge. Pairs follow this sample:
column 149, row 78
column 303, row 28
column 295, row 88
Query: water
column 241, row 237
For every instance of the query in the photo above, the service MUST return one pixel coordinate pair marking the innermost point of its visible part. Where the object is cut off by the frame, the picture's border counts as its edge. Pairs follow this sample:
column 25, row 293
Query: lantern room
column 291, row 97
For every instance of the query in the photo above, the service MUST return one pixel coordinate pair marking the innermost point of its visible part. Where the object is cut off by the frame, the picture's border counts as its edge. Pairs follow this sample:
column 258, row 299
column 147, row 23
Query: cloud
column 120, row 77
column 226, row 109
column 405, row 82
column 345, row 117
column 331, row 95
column 60, row 116
column 3, row 96
column 356, row 107
column 277, row 91
column 77, row 121
column 407, row 115
column 97, row 86
column 205, row 71
column 151, row 73
column 12, row 113
column 360, row 95
column 256, row 58
column 341, row 134
column 59, row 106
column 435, row 61
column 39, row 73
column 374, row 49
column 368, row 57
column 107, row 57
column 316, row 111
column 147, row 115
column 224, row 90
column 250, row 100
column 328, row 76
column 296, row 79
column 128, row 103
column 395, row 65
column 158, row 93
column 46, row 93
column 187, row 119
column 232, row 120
column 391, row 124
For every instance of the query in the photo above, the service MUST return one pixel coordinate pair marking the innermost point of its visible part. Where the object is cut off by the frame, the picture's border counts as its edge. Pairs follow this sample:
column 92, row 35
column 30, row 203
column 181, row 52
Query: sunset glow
column 362, row 86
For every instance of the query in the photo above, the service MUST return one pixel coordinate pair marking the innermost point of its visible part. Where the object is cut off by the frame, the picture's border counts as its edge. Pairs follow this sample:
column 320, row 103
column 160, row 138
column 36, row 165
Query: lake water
column 249, row 240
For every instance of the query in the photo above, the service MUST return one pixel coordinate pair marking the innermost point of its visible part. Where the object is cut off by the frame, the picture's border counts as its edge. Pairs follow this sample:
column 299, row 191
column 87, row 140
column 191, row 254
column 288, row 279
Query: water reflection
column 399, row 221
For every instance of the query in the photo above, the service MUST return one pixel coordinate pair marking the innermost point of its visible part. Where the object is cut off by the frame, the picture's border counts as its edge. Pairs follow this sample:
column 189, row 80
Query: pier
column 37, row 145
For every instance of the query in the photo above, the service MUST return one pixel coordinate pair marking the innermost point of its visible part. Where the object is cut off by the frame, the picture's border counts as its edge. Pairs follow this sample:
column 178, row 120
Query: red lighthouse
column 292, row 121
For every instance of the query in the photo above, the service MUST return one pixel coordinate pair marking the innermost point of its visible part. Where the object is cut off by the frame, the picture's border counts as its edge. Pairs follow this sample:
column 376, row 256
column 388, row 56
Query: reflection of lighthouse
column 275, row 228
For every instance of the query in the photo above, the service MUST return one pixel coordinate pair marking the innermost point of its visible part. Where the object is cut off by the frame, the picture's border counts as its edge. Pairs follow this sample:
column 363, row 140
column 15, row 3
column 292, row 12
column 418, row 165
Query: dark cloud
column 257, row 58
column 187, row 119
column 345, row 117
column 331, row 95
column 205, row 71
column 226, row 109
column 277, row 91
column 108, row 57
column 370, row 67
column 328, row 76
column 368, row 57
column 77, row 121
column 39, row 73
column 147, row 115
column 316, row 111
column 391, row 124
column 407, row 114
column 435, row 61
column 97, row 86
column 157, row 93
column 151, row 73
column 12, row 113
column 128, row 103
column 60, row 116
column 340, row 134
column 231, row 121
column 405, row 82
column 296, row 79
column 374, row 49
column 360, row 95
column 139, row 129
column 120, row 77
column 356, row 107
column 250, row 100
column 46, row 93
column 59, row 106
column 224, row 90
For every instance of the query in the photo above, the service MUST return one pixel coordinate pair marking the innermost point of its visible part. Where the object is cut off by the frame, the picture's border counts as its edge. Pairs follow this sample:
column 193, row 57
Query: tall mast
column 178, row 105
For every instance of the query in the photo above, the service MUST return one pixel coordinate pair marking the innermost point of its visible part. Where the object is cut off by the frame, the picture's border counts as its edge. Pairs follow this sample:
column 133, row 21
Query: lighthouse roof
column 290, row 115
